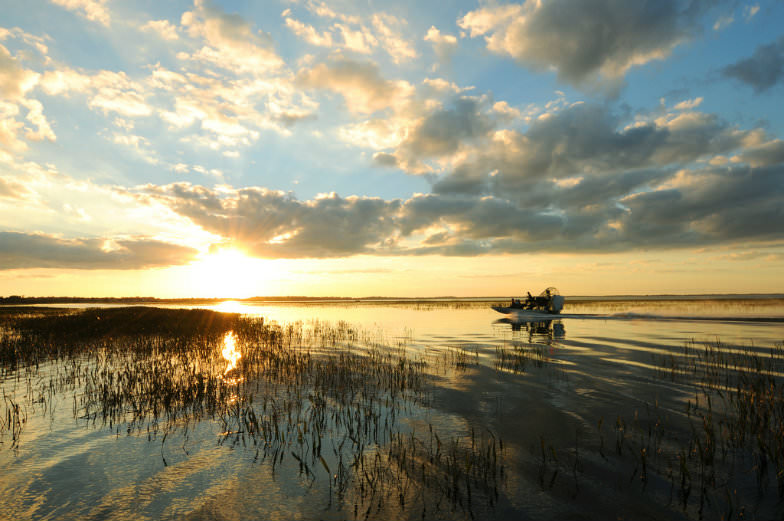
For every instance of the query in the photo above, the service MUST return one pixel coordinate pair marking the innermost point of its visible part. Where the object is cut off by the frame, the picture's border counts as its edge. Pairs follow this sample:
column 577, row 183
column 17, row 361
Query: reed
column 350, row 411
column 331, row 398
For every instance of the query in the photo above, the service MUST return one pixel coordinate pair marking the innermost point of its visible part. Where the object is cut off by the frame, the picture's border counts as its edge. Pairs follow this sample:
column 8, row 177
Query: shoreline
column 17, row 301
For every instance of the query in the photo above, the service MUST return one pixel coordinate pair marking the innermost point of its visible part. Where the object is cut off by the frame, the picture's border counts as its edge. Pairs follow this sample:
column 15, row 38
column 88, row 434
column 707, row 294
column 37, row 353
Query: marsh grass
column 331, row 402
column 350, row 411
column 720, row 457
column 731, row 431
column 533, row 346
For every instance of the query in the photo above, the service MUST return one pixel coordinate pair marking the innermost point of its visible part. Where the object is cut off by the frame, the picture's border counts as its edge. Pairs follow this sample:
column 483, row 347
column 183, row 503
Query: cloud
column 10, row 128
column 93, row 10
column 765, row 154
column 309, row 33
column 384, row 159
column 381, row 31
column 358, row 40
column 715, row 206
column 35, row 115
column 443, row 131
column 421, row 134
column 444, row 45
column 375, row 133
column 390, row 38
column 274, row 224
column 231, row 111
column 586, row 42
column 229, row 87
column 231, row 41
column 360, row 84
column 163, row 28
column 31, row 250
column 45, row 200
column 139, row 144
column 723, row 22
column 36, row 42
column 107, row 91
column 16, row 83
column 464, row 141
column 624, row 207
column 440, row 86
column 12, row 189
column 322, row 10
column 762, row 70
column 64, row 81
column 689, row 104
column 586, row 139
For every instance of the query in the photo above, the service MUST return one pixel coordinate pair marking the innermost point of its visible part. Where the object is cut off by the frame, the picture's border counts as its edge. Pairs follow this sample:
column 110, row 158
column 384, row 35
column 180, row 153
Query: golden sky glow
column 232, row 275
column 205, row 148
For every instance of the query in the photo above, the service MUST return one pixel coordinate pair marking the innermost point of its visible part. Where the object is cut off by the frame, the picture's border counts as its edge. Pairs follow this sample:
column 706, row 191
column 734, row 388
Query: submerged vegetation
column 356, row 416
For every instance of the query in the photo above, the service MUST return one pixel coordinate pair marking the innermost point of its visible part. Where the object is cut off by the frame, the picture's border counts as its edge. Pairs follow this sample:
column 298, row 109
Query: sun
column 229, row 273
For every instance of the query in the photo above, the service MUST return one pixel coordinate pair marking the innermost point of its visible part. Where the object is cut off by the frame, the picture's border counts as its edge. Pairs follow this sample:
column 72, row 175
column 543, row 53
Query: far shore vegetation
column 13, row 300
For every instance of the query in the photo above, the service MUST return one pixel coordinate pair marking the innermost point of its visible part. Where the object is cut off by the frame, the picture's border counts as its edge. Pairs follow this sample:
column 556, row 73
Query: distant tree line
column 20, row 299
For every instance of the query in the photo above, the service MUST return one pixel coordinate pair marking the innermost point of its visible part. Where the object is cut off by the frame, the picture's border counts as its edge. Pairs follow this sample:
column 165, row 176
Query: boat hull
column 506, row 310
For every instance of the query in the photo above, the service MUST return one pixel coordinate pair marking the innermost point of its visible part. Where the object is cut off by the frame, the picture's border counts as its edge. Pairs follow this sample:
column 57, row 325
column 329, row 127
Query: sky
column 211, row 148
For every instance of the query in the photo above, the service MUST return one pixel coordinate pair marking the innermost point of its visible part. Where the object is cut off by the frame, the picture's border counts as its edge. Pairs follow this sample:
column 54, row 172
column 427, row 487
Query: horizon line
column 11, row 299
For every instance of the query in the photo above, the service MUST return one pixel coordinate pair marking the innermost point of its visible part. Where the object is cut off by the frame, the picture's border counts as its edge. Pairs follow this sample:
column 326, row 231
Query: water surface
column 575, row 401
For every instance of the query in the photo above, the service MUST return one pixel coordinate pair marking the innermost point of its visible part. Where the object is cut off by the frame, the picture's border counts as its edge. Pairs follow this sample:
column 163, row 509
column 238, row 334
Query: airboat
column 548, row 302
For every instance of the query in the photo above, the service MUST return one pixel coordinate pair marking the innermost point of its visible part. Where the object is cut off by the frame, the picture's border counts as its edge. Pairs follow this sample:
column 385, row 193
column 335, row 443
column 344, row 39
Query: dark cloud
column 600, row 188
column 28, row 250
column 705, row 207
column 589, row 141
column 289, row 119
column 442, row 131
column 761, row 71
column 716, row 206
column 643, row 208
column 580, row 179
column 766, row 154
column 384, row 159
column 587, row 39
column 275, row 224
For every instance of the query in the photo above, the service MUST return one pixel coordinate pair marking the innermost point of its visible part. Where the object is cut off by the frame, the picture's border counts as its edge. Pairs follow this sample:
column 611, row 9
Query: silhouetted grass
column 345, row 411
column 95, row 324
column 330, row 397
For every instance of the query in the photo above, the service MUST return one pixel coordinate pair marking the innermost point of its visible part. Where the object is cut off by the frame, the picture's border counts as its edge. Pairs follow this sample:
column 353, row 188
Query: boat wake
column 525, row 316
column 690, row 318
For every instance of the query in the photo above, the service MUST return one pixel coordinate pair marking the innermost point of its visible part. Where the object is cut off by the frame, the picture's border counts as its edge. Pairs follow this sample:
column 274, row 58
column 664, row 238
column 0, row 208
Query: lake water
column 597, row 410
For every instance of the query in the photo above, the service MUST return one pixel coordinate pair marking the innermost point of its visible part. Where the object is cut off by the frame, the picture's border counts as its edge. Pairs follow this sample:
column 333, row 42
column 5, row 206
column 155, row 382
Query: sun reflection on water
column 230, row 352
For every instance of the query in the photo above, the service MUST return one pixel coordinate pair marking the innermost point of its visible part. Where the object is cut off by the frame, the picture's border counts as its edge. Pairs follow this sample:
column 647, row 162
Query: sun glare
column 229, row 273
column 230, row 352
